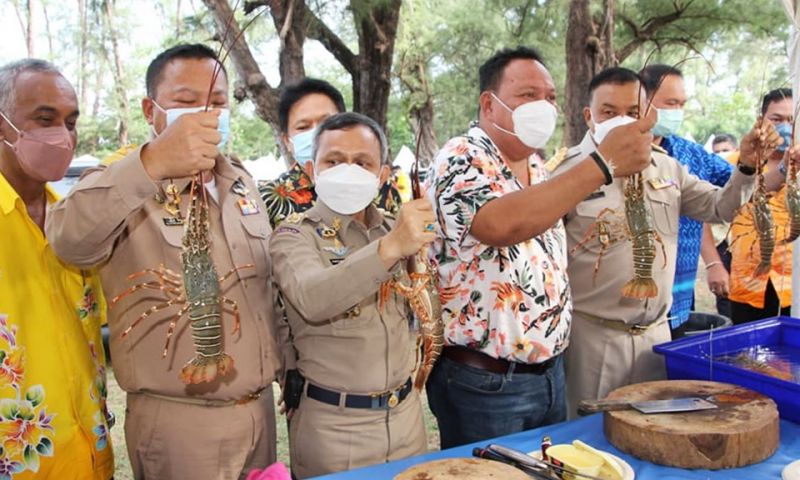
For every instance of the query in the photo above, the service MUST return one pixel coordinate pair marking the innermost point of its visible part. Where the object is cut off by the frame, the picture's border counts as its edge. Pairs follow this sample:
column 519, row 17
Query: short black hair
column 611, row 76
column 491, row 72
column 296, row 91
column 196, row 51
column 775, row 96
column 651, row 76
column 724, row 137
column 346, row 120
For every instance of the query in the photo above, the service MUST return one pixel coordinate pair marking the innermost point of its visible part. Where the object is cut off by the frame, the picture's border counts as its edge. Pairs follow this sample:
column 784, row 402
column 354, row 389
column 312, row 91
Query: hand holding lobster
column 413, row 230
column 628, row 147
column 759, row 143
column 186, row 147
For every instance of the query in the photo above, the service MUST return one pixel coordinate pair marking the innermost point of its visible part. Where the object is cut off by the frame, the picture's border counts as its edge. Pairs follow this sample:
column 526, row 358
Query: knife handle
column 588, row 407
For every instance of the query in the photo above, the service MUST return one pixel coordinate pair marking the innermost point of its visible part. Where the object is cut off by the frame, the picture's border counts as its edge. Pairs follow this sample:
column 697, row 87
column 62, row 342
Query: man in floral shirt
column 301, row 108
column 501, row 254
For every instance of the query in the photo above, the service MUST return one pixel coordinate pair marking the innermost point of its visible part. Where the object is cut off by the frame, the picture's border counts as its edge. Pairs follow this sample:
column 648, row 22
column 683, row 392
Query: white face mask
column 534, row 122
column 601, row 129
column 346, row 188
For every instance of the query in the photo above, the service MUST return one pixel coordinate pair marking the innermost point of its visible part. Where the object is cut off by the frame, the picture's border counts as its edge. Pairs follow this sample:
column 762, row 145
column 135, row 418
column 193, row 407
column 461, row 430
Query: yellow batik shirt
column 53, row 421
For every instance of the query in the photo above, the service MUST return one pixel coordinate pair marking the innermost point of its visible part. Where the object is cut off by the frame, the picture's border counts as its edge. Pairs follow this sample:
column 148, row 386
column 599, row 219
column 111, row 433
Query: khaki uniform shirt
column 670, row 191
column 116, row 218
column 328, row 269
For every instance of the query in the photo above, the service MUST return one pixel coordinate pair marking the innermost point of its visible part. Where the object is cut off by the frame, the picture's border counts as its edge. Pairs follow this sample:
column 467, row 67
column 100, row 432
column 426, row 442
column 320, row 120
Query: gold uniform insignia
column 295, row 218
column 556, row 159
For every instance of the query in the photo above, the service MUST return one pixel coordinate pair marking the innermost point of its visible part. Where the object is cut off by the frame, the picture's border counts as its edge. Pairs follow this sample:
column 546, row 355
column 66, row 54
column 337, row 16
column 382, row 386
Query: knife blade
column 534, row 463
column 686, row 404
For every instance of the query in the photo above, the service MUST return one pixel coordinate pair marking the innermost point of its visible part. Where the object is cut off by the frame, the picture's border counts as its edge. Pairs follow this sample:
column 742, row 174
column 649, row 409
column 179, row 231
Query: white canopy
column 267, row 167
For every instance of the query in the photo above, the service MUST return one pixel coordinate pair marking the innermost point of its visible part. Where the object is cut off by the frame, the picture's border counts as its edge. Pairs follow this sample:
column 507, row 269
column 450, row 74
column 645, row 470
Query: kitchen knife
column 687, row 404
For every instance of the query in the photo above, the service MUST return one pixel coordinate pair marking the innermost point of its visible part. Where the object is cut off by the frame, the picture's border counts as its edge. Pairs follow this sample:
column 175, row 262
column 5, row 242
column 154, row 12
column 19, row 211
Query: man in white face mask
column 502, row 254
column 613, row 334
column 129, row 217
column 301, row 108
column 358, row 406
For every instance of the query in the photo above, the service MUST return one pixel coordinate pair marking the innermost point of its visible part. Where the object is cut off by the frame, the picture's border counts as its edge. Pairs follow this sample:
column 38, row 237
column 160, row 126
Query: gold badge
column 393, row 400
column 661, row 183
column 295, row 218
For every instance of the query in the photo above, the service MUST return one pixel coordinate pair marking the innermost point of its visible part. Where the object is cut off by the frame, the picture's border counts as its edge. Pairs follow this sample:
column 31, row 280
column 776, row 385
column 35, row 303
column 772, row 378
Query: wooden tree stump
column 742, row 431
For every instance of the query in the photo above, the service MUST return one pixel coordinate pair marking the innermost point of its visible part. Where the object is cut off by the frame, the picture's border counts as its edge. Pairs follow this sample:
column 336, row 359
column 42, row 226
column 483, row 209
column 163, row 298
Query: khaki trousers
column 601, row 358
column 326, row 439
column 170, row 440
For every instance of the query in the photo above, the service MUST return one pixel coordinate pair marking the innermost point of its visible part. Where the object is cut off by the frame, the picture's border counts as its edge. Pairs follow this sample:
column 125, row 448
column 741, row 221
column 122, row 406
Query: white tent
column 267, row 167
column 793, row 11
column 404, row 159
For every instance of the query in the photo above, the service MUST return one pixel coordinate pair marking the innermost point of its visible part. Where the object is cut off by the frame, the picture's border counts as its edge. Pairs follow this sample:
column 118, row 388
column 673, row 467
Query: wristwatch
column 746, row 169
column 782, row 168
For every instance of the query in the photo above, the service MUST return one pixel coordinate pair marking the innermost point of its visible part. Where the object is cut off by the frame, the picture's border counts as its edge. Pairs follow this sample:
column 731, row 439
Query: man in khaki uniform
column 612, row 335
column 358, row 406
column 127, row 217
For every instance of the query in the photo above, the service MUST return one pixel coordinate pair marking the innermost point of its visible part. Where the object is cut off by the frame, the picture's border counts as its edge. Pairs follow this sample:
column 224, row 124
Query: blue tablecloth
column 590, row 430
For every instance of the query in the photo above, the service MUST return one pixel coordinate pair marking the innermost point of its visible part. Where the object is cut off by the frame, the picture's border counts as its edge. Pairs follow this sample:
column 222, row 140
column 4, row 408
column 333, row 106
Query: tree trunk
column 254, row 84
column 178, row 19
column 288, row 16
column 414, row 79
column 83, row 73
column 30, row 33
column 118, row 73
column 376, row 24
column 47, row 29
column 589, row 50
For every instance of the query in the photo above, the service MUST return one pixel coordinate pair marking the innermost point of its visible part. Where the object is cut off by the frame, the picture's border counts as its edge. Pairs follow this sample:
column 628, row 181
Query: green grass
column 704, row 302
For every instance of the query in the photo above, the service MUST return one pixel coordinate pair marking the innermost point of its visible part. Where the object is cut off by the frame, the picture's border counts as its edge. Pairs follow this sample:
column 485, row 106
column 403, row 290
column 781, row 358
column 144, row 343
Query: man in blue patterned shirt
column 665, row 89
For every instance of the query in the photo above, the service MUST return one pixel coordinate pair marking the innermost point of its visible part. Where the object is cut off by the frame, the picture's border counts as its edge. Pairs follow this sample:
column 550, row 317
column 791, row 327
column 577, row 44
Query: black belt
column 477, row 359
column 385, row 400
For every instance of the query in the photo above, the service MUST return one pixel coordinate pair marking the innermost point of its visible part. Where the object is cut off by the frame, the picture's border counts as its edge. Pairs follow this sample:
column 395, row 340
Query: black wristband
column 603, row 167
column 746, row 169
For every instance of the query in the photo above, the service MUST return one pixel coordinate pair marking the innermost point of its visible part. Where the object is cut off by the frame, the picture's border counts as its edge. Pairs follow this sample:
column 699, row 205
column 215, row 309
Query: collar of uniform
column 322, row 213
column 222, row 168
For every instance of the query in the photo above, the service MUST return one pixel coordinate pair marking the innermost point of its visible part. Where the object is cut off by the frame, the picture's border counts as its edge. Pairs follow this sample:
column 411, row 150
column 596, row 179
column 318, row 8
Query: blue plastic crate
column 690, row 358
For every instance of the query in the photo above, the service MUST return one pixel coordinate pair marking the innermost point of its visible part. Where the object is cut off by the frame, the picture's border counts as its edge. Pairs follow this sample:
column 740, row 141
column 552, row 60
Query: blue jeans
column 471, row 404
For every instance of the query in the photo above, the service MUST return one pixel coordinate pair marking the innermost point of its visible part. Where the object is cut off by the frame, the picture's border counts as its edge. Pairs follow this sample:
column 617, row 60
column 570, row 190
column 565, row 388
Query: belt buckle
column 393, row 400
column 637, row 329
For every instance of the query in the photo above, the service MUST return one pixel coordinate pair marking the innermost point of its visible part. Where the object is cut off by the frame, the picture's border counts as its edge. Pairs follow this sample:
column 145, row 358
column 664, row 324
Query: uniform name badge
column 248, row 206
column 660, row 183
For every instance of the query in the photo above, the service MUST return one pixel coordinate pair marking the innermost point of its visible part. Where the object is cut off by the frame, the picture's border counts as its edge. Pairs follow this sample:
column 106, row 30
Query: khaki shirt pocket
column 173, row 235
column 600, row 219
column 257, row 234
column 358, row 316
column 665, row 206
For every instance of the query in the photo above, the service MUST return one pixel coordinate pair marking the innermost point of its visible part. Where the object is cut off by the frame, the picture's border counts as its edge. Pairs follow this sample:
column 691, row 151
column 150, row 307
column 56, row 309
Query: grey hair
column 342, row 121
column 8, row 77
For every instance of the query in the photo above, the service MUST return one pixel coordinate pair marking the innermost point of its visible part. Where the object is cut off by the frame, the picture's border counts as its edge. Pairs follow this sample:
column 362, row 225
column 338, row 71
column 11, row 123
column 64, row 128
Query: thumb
column 646, row 123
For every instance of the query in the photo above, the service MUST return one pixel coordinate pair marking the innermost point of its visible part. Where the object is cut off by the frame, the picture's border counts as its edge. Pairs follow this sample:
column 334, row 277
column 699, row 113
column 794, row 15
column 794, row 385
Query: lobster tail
column 640, row 288
column 762, row 269
column 202, row 369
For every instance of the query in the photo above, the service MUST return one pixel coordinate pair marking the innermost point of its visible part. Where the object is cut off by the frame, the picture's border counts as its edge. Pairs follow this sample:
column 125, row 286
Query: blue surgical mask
column 224, row 126
column 303, row 144
column 669, row 121
column 785, row 131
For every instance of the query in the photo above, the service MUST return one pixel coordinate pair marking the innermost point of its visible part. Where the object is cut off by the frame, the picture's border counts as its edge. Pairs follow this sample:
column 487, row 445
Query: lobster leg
column 235, row 306
column 148, row 312
column 234, row 270
column 172, row 324
column 148, row 285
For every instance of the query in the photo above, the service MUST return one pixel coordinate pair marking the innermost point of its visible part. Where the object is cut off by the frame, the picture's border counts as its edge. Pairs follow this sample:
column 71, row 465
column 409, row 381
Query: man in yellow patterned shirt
column 53, row 416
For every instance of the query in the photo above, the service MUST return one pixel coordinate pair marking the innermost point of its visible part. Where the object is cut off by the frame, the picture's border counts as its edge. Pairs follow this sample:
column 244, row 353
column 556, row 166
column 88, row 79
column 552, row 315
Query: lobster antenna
column 416, row 191
column 218, row 66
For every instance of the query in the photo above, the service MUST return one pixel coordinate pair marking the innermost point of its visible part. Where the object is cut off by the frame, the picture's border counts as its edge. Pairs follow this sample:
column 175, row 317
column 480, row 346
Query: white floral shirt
column 511, row 302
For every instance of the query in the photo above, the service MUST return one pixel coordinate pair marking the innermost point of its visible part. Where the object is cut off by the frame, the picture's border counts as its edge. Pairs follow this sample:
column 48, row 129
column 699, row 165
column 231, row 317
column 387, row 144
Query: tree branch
column 648, row 29
column 317, row 30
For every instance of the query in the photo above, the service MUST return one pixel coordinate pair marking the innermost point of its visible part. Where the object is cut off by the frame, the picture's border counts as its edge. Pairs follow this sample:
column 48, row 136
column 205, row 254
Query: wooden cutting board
column 462, row 469
column 742, row 431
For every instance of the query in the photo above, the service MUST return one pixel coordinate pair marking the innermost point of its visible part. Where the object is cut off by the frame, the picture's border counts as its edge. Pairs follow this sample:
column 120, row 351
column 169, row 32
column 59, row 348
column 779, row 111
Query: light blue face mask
column 224, row 126
column 669, row 121
column 303, row 144
column 785, row 131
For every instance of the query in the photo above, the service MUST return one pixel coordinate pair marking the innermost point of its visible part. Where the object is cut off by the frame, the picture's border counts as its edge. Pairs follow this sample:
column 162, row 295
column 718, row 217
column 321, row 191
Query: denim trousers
column 471, row 404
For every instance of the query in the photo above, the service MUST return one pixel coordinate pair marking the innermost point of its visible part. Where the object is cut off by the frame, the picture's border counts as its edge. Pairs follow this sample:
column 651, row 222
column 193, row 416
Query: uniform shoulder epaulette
column 659, row 149
column 557, row 159
column 236, row 162
column 386, row 213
